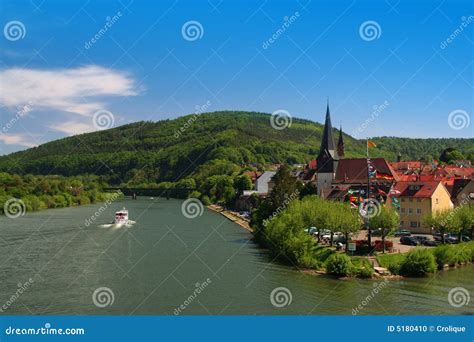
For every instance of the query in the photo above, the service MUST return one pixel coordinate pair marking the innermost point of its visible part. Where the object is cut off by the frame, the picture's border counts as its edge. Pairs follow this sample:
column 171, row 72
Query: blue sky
column 146, row 66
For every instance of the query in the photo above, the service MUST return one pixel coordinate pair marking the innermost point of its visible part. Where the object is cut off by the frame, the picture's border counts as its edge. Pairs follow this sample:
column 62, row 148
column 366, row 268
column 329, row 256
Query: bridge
column 153, row 192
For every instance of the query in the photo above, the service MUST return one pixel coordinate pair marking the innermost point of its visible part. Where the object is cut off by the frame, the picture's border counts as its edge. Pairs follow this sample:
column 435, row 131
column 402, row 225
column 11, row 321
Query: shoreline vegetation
column 21, row 194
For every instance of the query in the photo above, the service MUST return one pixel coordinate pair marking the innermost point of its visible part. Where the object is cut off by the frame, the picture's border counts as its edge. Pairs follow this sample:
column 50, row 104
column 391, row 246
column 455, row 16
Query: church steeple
column 327, row 152
column 340, row 144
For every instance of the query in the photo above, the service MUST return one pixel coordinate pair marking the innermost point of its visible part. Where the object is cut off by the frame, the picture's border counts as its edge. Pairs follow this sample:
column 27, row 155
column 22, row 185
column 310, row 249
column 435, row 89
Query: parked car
column 448, row 238
column 420, row 238
column 402, row 232
column 311, row 231
column 408, row 240
column 432, row 243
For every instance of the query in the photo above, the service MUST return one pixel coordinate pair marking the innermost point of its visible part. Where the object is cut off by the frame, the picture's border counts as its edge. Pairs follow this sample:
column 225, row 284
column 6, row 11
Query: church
column 349, row 179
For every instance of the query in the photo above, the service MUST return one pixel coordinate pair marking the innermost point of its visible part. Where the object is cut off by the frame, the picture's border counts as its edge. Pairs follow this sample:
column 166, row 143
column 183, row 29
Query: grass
column 385, row 260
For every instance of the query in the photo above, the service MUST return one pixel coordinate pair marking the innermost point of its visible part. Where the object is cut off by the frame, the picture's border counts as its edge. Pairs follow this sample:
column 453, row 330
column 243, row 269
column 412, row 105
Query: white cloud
column 17, row 139
column 73, row 127
column 71, row 90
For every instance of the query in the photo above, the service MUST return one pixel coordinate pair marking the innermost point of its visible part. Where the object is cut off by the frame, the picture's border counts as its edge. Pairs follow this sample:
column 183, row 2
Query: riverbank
column 232, row 216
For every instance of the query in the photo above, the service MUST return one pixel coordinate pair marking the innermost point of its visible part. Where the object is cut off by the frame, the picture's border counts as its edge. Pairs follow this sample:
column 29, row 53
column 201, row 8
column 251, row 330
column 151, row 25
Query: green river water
column 158, row 265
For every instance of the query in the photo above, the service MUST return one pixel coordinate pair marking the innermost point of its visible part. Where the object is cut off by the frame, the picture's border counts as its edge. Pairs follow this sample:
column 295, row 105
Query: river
column 169, row 264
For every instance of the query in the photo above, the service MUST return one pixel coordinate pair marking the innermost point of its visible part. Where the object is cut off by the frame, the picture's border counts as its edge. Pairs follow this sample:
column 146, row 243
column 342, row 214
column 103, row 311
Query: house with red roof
column 416, row 200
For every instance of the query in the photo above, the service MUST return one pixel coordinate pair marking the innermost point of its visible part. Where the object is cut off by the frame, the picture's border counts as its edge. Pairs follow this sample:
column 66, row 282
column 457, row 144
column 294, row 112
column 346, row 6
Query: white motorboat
column 120, row 220
column 121, row 216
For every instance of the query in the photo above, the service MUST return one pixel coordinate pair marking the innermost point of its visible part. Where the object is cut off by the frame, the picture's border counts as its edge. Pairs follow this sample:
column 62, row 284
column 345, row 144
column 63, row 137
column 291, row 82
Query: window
column 410, row 210
column 403, row 200
column 403, row 210
column 418, row 200
column 402, row 223
column 410, row 199
column 437, row 201
column 413, row 224
column 418, row 211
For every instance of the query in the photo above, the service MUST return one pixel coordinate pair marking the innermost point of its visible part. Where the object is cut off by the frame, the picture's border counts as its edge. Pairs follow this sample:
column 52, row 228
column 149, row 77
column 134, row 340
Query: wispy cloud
column 73, row 127
column 17, row 139
column 74, row 90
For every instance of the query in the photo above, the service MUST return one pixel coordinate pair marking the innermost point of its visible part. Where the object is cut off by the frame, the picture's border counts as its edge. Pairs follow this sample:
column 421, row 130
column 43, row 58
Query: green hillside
column 170, row 150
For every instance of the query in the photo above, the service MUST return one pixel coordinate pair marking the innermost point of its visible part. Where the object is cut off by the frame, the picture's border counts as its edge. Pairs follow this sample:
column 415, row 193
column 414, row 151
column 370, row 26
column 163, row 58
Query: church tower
column 340, row 144
column 327, row 159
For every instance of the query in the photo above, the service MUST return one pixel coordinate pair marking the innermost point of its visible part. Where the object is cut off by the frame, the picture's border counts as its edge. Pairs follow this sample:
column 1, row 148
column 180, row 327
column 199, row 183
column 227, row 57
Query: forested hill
column 173, row 149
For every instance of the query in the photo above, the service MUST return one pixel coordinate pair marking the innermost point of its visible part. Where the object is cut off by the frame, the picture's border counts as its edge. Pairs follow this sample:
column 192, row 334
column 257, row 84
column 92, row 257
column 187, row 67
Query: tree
column 241, row 183
column 443, row 221
column 387, row 220
column 464, row 218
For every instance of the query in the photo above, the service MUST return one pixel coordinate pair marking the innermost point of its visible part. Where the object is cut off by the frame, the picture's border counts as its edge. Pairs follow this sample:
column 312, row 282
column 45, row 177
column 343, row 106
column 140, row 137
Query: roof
column 253, row 174
column 354, row 170
column 327, row 152
column 262, row 182
column 417, row 189
column 406, row 165
column 460, row 185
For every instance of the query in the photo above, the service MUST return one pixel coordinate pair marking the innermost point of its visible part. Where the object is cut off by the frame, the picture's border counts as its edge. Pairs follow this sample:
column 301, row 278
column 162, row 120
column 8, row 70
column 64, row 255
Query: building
column 264, row 183
column 418, row 199
column 462, row 192
column 326, row 162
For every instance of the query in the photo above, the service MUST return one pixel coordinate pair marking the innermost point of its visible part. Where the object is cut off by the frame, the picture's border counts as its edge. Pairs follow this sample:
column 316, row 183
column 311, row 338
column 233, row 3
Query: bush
column 362, row 268
column 339, row 265
column 463, row 254
column 444, row 255
column 418, row 262
column 395, row 268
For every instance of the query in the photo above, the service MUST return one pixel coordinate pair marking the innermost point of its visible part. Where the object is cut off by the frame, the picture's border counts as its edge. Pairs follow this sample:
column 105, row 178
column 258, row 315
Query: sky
column 388, row 68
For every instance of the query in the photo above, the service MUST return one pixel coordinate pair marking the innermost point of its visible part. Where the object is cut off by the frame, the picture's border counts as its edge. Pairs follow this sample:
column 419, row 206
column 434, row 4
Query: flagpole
column 367, row 224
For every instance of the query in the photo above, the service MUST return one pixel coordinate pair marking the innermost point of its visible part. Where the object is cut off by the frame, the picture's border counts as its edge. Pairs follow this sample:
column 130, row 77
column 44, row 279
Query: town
column 426, row 198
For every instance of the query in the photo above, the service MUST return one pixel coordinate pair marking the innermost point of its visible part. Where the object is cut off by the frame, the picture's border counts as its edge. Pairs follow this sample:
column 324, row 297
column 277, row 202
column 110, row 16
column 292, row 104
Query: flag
column 394, row 192
column 370, row 143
